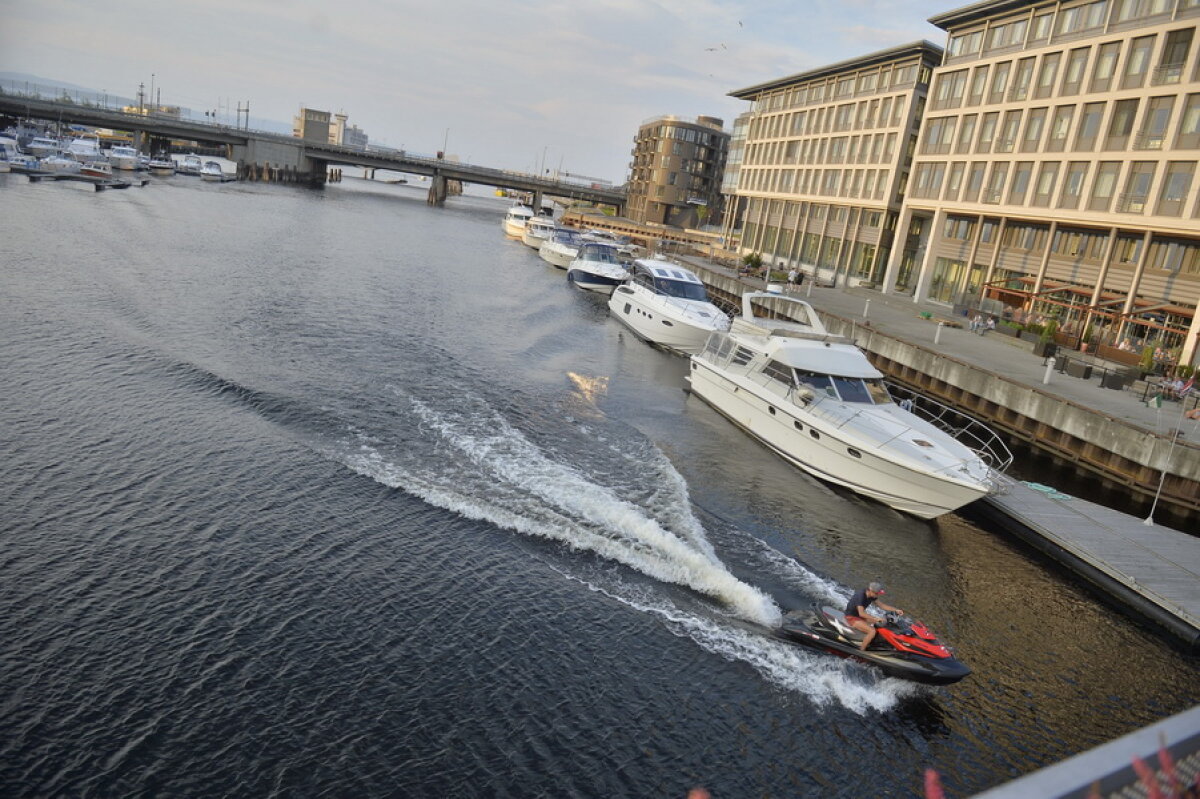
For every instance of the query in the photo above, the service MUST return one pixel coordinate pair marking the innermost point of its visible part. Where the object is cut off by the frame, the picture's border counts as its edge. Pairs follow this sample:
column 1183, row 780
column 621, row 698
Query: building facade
column 312, row 125
column 675, row 175
column 1055, row 173
column 825, row 162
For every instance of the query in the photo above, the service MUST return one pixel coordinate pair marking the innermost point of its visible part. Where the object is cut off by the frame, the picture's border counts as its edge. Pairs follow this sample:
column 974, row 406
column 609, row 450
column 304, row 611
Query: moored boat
column 190, row 165
column 561, row 247
column 212, row 171
column 123, row 157
column 816, row 400
column 162, row 164
column 515, row 219
column 597, row 268
column 667, row 305
column 537, row 229
column 84, row 148
column 43, row 146
column 60, row 163
column 96, row 169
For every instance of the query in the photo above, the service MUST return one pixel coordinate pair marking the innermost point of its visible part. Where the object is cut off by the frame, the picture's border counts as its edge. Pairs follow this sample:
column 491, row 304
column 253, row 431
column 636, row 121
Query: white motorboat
column 84, row 148
column 123, row 157
column 212, row 171
column 162, row 164
column 597, row 268
column 561, row 247
column 667, row 305
column 537, row 229
column 9, row 151
column 515, row 219
column 191, row 165
column 816, row 400
column 96, row 169
column 60, row 163
column 42, row 146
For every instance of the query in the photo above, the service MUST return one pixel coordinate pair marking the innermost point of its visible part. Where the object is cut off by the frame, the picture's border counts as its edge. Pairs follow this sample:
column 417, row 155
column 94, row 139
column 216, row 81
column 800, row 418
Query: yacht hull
column 828, row 456
column 652, row 325
column 589, row 281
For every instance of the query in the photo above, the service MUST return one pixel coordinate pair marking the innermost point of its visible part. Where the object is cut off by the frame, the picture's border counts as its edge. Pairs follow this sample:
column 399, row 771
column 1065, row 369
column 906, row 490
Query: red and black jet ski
column 902, row 647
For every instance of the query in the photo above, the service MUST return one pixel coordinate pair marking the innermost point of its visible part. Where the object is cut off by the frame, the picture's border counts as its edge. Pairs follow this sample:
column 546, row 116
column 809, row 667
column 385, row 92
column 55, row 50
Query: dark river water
column 335, row 494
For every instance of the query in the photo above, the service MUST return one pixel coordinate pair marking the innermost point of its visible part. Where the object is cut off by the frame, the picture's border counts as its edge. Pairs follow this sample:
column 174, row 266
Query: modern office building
column 1055, row 174
column 825, row 161
column 675, row 175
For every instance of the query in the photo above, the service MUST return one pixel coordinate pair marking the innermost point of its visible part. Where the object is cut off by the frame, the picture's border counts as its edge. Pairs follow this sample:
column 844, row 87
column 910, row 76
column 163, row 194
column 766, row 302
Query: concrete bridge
column 300, row 160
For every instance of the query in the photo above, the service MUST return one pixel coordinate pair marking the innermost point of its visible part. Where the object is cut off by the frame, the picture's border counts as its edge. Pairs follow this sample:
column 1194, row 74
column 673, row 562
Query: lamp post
column 151, row 87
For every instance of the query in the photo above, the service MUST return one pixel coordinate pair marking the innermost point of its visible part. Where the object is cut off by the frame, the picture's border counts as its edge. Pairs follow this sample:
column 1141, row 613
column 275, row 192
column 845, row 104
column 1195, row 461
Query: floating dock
column 100, row 184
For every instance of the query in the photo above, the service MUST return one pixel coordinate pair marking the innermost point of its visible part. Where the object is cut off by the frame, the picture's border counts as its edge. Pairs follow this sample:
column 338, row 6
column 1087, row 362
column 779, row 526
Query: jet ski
column 902, row 647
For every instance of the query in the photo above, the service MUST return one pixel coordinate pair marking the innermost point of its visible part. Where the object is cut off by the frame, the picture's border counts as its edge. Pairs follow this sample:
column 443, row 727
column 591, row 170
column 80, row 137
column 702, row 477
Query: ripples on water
column 353, row 496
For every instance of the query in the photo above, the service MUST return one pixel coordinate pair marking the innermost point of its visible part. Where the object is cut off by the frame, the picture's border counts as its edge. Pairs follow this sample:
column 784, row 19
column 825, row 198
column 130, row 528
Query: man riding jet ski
column 902, row 647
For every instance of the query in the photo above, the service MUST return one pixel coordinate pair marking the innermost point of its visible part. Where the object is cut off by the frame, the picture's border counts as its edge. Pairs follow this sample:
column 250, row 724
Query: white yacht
column 191, row 165
column 212, row 171
column 123, row 157
column 667, row 305
column 816, row 400
column 537, row 229
column 61, row 164
column 42, row 146
column 85, row 147
column 597, row 268
column 162, row 164
column 515, row 219
column 9, row 151
column 561, row 247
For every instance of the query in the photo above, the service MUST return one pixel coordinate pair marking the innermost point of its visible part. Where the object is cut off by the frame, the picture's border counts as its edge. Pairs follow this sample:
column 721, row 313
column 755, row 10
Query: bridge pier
column 437, row 190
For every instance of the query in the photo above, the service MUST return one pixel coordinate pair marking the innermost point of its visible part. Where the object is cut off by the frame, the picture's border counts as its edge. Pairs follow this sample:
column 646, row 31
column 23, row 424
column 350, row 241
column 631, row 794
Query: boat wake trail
column 485, row 468
column 633, row 510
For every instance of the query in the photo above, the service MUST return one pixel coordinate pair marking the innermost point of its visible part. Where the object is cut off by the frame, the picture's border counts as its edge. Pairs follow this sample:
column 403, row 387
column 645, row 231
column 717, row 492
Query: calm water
column 331, row 493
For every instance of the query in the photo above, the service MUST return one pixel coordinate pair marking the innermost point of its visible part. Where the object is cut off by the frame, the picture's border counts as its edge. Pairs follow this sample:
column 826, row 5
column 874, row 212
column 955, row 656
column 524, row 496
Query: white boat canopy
column 838, row 360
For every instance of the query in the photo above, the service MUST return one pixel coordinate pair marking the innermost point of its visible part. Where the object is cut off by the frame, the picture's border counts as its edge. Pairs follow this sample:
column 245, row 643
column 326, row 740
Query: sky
column 525, row 85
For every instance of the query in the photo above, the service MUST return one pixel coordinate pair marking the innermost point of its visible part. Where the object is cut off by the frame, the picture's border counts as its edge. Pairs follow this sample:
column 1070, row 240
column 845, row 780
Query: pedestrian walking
column 792, row 278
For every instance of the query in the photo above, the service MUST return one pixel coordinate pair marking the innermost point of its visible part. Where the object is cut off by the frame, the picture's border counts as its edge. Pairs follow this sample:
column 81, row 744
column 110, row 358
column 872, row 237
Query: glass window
column 852, row 389
column 1089, row 127
column 1175, row 189
column 1034, row 126
column 1137, row 187
column 1044, row 188
column 1060, row 126
column 1154, row 127
column 1105, row 186
column 1072, row 188
column 987, row 132
column 1189, row 124
column 1138, row 63
column 1008, row 132
column 974, row 181
column 1174, row 56
column 995, row 185
column 966, row 133
column 954, row 181
column 1020, row 182
column 1073, row 74
column 1047, row 74
column 1021, row 79
column 1121, row 125
column 1106, row 64
column 978, row 85
column 999, row 82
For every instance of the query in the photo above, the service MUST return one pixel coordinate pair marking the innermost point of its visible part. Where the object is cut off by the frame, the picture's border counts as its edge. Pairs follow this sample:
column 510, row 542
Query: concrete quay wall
column 1121, row 454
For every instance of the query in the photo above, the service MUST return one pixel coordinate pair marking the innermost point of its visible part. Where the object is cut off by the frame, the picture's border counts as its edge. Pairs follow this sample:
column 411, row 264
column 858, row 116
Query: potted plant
column 1045, row 346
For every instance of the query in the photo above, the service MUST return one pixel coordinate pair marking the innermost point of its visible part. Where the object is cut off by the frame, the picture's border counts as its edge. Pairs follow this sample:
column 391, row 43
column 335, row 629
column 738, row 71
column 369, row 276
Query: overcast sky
column 512, row 85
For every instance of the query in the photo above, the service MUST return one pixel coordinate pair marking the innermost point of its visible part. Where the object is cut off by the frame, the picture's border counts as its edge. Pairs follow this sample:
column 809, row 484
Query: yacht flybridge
column 816, row 400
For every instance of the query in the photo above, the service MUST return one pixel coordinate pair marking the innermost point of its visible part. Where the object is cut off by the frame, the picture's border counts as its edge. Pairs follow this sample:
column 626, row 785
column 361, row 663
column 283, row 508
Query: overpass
column 302, row 161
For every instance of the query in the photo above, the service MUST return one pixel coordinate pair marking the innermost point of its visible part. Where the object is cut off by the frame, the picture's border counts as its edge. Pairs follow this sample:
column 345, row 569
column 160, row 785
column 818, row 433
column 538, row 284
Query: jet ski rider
column 860, row 619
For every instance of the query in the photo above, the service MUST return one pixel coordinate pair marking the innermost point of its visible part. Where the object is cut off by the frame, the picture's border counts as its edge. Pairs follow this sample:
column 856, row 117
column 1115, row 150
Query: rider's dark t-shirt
column 860, row 598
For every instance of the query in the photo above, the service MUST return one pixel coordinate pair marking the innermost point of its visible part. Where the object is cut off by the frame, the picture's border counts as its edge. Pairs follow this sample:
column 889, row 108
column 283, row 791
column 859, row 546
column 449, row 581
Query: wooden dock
column 100, row 184
column 1150, row 569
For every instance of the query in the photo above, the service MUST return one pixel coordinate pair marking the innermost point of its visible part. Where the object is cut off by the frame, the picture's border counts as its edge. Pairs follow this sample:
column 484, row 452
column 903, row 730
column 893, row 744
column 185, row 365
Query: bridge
column 300, row 160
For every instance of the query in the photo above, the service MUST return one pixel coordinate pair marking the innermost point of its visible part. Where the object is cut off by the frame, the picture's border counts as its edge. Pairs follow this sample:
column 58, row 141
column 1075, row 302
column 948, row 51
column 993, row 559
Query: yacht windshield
column 852, row 389
column 679, row 288
column 820, row 384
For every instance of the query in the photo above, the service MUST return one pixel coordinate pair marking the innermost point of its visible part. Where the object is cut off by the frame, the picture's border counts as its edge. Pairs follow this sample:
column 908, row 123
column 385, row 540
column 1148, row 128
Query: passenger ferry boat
column 816, row 400
column 667, row 305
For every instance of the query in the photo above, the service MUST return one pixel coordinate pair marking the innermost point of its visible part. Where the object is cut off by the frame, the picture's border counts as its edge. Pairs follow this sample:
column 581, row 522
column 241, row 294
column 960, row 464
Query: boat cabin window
column 819, row 383
column 742, row 356
column 856, row 389
column 779, row 372
column 879, row 394
column 681, row 289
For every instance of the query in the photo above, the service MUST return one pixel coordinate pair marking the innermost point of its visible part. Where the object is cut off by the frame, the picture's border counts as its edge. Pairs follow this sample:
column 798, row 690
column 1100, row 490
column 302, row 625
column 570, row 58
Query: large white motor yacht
column 515, row 219
column 123, row 157
column 42, row 146
column 816, row 400
column 667, row 305
column 85, row 148
column 561, row 248
column 537, row 229
column 597, row 268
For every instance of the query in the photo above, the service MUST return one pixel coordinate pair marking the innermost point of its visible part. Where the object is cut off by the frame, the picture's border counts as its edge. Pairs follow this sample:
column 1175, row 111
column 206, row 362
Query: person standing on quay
column 792, row 279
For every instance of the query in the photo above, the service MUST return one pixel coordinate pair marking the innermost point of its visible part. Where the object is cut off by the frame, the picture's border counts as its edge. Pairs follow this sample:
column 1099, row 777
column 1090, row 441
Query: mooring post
column 937, row 335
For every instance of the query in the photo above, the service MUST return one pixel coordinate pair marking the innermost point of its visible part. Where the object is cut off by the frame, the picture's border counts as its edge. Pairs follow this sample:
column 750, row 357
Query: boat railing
column 687, row 308
column 970, row 431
